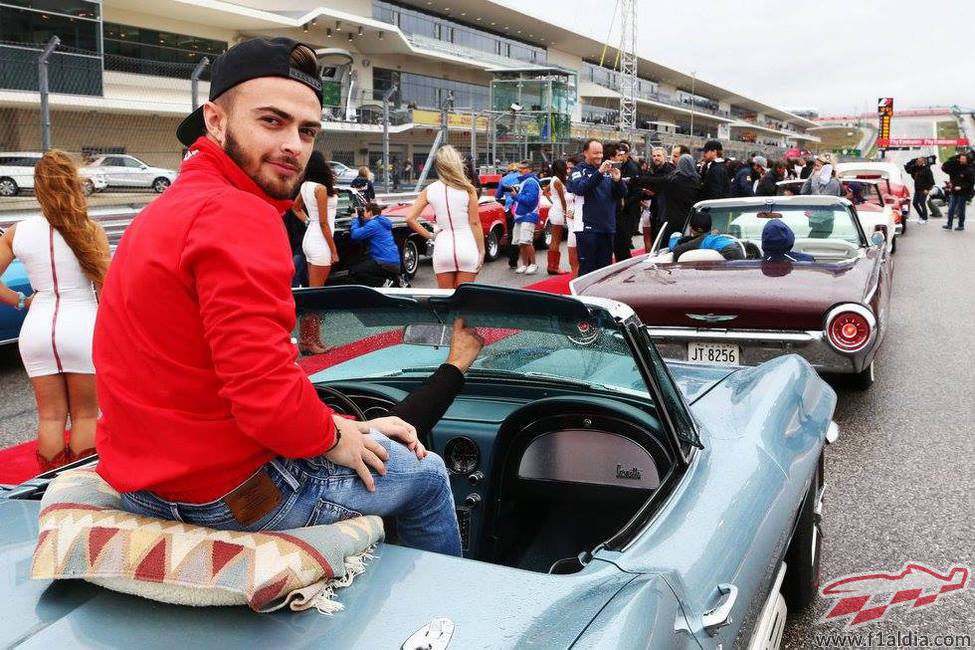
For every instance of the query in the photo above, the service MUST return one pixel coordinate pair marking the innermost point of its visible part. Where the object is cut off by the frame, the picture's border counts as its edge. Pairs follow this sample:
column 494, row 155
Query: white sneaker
column 532, row 269
column 521, row 269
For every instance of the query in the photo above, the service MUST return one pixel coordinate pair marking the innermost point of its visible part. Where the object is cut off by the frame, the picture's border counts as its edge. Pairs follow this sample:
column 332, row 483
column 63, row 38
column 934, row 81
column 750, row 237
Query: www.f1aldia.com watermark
column 868, row 597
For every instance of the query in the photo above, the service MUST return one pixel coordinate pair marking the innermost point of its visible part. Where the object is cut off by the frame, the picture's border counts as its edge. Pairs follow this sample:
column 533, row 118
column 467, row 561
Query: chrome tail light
column 850, row 327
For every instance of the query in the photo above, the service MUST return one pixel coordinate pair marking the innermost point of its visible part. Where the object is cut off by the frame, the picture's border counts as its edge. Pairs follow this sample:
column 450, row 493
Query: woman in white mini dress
column 560, row 214
column 458, row 247
column 316, row 205
column 65, row 255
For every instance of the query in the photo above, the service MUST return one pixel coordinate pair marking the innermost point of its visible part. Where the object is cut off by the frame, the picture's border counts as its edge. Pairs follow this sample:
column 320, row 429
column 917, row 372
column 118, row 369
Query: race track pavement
column 900, row 480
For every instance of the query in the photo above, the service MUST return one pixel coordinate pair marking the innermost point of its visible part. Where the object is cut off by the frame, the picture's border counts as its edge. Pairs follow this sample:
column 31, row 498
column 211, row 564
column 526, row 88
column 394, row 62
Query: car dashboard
column 506, row 448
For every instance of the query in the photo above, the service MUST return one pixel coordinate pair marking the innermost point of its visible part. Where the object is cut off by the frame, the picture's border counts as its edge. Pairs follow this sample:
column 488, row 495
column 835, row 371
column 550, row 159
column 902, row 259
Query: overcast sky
column 828, row 54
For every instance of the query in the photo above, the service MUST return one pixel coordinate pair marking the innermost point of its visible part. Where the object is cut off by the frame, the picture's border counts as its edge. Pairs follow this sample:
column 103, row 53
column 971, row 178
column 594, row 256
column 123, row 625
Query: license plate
column 720, row 353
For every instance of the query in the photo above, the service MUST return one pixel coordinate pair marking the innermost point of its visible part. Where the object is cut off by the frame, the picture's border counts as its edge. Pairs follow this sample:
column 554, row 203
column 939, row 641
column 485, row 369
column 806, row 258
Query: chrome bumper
column 759, row 346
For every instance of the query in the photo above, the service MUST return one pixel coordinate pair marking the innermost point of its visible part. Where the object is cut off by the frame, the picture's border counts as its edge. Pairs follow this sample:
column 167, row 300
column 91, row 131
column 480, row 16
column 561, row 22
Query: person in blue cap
column 777, row 242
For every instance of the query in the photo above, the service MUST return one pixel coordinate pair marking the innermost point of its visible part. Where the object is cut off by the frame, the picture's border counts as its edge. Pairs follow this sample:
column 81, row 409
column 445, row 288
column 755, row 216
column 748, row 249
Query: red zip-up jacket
column 196, row 373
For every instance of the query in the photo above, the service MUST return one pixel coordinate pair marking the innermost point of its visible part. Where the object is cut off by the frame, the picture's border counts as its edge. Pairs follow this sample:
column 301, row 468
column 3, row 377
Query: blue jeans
column 316, row 491
column 956, row 206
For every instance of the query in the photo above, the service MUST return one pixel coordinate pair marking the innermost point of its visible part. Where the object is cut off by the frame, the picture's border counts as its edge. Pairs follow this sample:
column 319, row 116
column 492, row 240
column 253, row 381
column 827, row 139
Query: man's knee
column 402, row 459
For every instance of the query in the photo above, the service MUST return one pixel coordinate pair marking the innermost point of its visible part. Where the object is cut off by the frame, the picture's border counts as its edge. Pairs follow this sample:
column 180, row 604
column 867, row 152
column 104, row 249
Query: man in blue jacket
column 601, row 188
column 748, row 176
column 525, row 195
column 504, row 195
column 382, row 263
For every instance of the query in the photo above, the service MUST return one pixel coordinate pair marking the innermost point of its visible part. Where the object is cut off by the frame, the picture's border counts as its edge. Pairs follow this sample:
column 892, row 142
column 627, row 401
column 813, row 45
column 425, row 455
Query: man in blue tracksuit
column 383, row 260
column 526, row 194
column 601, row 188
column 504, row 195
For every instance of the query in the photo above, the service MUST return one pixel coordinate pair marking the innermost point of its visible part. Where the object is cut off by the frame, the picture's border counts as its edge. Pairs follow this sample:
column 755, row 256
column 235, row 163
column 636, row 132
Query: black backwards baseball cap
column 252, row 59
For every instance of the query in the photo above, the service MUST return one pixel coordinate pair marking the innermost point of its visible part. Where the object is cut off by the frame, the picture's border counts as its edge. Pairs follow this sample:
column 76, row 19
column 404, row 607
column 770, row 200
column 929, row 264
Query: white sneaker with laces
column 532, row 269
column 521, row 269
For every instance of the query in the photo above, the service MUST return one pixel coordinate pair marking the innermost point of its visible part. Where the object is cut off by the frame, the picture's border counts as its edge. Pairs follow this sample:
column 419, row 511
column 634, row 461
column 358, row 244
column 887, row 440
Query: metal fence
column 96, row 106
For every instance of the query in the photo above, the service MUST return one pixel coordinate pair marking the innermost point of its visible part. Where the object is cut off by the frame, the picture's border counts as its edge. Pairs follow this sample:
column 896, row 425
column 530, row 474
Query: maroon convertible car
column 704, row 308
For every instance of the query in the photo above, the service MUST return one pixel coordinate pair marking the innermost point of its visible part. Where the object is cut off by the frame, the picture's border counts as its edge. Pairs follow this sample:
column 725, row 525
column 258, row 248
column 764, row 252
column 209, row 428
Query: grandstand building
column 120, row 79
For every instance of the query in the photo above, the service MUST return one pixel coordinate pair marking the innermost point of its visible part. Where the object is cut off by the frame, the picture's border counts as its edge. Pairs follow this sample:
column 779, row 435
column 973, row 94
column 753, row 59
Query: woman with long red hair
column 65, row 255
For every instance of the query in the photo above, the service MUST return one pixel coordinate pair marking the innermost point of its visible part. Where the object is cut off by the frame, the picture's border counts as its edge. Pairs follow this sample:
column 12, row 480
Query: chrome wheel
column 411, row 257
column 492, row 245
column 546, row 239
column 159, row 185
column 88, row 188
column 8, row 187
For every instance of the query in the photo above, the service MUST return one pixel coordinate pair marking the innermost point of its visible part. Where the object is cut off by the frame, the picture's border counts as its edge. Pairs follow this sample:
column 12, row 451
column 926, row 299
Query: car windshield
column 806, row 221
column 855, row 191
column 578, row 347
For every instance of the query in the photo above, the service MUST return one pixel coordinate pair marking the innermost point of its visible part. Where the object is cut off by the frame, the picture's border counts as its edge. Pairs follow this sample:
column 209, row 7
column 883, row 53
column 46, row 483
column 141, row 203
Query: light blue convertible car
column 15, row 277
column 606, row 499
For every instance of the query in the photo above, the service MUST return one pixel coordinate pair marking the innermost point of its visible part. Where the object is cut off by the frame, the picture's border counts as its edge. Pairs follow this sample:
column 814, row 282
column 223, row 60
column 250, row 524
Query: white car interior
column 825, row 228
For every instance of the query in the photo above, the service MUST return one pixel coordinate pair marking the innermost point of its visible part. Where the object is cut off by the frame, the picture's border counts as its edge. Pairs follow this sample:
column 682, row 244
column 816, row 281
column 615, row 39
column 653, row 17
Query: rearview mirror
column 769, row 215
column 426, row 334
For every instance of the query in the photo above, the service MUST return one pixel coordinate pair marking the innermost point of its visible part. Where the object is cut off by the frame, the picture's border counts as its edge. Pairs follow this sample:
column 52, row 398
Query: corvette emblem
column 713, row 318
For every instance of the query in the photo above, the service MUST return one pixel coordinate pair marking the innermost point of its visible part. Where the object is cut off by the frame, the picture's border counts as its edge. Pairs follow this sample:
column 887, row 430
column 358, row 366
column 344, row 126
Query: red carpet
column 560, row 283
column 553, row 284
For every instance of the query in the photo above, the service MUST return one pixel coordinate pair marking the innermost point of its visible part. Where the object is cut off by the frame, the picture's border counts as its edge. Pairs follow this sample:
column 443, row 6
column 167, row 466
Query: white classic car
column 17, row 174
column 872, row 209
column 122, row 170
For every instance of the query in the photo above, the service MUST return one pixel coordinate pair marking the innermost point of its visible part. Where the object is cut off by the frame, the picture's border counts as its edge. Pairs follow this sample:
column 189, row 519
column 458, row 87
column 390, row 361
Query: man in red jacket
column 206, row 416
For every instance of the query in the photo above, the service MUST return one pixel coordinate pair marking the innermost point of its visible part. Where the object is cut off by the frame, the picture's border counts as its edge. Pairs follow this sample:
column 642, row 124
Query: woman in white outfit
column 458, row 247
column 561, row 210
column 65, row 255
column 316, row 205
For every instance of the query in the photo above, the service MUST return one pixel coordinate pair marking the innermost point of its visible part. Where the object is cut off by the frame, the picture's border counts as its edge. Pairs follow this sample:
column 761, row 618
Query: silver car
column 17, row 174
column 343, row 173
column 121, row 170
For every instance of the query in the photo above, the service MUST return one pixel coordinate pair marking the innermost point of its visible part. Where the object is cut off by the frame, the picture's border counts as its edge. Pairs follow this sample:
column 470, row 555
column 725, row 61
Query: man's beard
column 272, row 186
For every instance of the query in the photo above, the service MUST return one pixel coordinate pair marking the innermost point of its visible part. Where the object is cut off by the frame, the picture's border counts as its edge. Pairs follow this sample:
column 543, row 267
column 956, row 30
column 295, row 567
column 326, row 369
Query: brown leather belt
column 254, row 498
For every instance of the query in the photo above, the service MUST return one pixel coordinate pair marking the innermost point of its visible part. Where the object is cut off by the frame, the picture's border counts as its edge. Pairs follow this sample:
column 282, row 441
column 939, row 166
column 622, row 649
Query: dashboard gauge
column 461, row 455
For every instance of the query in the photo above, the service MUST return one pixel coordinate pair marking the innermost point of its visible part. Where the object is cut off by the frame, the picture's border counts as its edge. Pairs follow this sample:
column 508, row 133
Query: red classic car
column 832, row 311
column 492, row 221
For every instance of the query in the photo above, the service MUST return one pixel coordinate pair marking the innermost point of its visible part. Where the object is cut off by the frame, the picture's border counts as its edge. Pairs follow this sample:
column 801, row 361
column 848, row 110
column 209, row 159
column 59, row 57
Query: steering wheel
column 343, row 400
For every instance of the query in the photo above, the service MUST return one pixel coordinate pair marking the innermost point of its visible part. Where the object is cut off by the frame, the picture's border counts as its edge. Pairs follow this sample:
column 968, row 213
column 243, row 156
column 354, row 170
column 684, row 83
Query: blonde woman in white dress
column 65, row 255
column 458, row 247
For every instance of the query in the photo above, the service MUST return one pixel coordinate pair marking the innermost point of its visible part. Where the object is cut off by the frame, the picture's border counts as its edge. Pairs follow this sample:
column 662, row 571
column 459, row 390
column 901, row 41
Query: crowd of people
column 604, row 195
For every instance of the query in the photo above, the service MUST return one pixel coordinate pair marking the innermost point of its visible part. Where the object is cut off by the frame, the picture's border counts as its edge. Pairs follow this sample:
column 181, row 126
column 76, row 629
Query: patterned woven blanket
column 85, row 534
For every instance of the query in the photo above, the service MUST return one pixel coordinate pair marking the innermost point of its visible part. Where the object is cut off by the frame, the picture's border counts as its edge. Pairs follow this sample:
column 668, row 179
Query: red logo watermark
column 868, row 597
